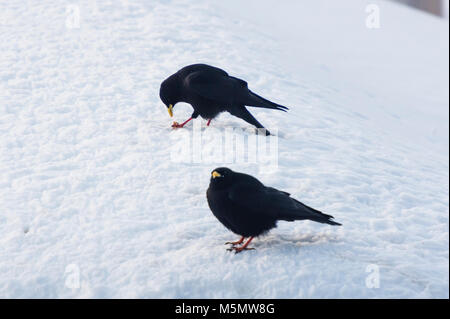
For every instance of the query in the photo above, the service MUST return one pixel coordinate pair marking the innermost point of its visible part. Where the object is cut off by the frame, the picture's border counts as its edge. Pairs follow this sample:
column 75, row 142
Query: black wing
column 217, row 87
column 268, row 200
column 201, row 67
column 226, row 90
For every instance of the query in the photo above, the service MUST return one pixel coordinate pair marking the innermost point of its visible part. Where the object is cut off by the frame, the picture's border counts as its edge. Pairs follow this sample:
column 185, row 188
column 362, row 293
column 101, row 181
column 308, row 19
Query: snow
column 94, row 206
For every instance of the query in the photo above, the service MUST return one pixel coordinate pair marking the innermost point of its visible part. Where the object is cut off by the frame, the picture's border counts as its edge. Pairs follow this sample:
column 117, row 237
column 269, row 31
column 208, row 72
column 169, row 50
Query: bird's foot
column 177, row 125
column 237, row 242
column 243, row 247
column 209, row 122
column 239, row 249
column 233, row 243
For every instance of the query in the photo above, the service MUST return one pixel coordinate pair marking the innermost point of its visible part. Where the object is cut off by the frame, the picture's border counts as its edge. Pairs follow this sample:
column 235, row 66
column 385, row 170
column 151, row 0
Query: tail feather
column 258, row 101
column 305, row 212
column 325, row 219
column 330, row 222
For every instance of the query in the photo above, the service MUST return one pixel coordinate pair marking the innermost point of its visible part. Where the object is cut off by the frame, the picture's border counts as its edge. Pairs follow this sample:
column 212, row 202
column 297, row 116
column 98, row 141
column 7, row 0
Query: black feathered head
column 221, row 177
column 169, row 92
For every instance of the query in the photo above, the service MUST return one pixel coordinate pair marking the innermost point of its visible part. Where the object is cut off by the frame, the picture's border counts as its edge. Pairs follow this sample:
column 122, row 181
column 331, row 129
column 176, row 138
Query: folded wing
column 279, row 204
column 226, row 90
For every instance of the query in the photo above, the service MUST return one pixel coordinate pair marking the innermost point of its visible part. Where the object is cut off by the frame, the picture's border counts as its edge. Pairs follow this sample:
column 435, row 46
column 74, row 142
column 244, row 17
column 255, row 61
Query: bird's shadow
column 240, row 129
column 221, row 126
column 289, row 242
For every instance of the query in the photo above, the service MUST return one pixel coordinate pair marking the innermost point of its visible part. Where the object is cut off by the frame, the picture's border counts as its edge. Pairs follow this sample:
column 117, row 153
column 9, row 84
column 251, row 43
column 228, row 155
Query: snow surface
column 88, row 187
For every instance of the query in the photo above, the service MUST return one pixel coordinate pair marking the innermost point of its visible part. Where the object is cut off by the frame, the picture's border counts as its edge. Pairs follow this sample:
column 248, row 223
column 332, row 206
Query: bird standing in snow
column 211, row 91
column 248, row 208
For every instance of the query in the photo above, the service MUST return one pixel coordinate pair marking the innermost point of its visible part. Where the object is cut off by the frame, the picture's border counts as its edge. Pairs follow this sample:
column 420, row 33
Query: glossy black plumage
column 248, row 208
column 210, row 91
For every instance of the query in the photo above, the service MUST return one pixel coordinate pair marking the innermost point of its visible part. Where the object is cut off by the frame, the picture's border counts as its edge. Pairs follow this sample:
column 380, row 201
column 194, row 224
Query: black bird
column 210, row 91
column 248, row 208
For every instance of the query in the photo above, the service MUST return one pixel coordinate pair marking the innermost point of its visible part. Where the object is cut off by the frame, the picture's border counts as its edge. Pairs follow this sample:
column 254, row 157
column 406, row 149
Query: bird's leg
column 178, row 125
column 233, row 243
column 209, row 121
column 244, row 247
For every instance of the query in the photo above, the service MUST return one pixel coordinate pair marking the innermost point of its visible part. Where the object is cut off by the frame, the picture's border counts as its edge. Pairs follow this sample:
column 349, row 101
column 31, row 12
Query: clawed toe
column 238, row 242
column 241, row 248
column 233, row 243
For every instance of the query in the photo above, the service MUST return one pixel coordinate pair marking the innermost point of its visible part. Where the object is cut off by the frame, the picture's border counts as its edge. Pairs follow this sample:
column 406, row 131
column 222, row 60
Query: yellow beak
column 215, row 174
column 169, row 109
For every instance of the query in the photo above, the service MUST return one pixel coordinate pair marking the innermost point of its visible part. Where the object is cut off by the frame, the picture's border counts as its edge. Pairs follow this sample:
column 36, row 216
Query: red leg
column 235, row 242
column 209, row 121
column 244, row 247
column 178, row 125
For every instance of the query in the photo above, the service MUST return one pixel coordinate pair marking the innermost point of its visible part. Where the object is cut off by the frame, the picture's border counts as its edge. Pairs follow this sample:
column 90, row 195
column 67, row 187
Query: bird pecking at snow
column 210, row 91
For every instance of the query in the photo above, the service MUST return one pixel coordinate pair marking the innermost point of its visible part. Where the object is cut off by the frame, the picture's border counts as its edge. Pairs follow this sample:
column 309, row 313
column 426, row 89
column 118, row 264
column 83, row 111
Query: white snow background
column 88, row 190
